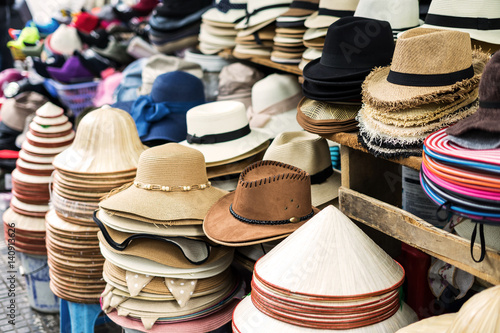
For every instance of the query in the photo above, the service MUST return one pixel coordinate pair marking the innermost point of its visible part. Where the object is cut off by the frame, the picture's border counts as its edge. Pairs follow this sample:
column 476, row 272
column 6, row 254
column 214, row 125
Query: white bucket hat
column 310, row 153
column 65, row 40
column 274, row 104
column 401, row 14
column 226, row 11
column 220, row 130
column 330, row 11
column 479, row 18
column 263, row 10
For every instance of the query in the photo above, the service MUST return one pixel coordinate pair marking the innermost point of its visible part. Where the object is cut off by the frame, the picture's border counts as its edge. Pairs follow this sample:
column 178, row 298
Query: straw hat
column 402, row 15
column 485, row 121
column 65, row 40
column 220, row 130
column 330, row 11
column 106, row 142
column 281, row 191
column 259, row 11
column 230, row 11
column 479, row 18
column 310, row 153
column 185, row 186
column 337, row 268
column 299, row 11
column 478, row 315
column 446, row 55
column 15, row 110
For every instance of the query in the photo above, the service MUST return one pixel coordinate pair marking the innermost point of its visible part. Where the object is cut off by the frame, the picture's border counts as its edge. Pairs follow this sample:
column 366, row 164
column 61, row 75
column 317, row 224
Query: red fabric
column 85, row 22
column 145, row 5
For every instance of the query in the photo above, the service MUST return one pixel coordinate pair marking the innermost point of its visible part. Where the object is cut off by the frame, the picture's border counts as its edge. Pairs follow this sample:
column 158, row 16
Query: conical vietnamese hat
column 480, row 314
column 310, row 153
column 347, row 263
column 107, row 141
column 22, row 222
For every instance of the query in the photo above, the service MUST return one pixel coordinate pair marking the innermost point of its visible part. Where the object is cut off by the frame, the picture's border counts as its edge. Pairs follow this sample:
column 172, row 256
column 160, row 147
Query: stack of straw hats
column 159, row 266
column 332, row 83
column 288, row 45
column 217, row 28
column 328, row 276
column 257, row 29
column 479, row 314
column 221, row 131
column 103, row 156
column 405, row 102
column 50, row 132
column 327, row 14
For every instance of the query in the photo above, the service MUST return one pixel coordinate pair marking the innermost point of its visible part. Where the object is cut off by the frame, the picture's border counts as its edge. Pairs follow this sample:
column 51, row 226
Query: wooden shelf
column 351, row 140
column 416, row 232
column 266, row 62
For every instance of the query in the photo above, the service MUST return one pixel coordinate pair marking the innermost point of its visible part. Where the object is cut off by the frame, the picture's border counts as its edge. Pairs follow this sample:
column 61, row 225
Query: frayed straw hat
column 310, row 153
column 281, row 191
column 171, row 183
column 428, row 65
column 478, row 315
column 106, row 142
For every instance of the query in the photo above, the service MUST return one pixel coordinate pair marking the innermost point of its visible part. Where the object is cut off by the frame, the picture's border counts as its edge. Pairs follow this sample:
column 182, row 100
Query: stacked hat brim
column 103, row 156
column 288, row 44
column 217, row 30
column 462, row 178
column 347, row 301
column 171, row 32
column 399, row 111
column 49, row 133
column 173, row 274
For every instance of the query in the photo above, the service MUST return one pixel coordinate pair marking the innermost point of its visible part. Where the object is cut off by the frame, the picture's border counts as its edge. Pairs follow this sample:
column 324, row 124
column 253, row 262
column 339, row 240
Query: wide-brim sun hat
column 330, row 11
column 478, row 18
column 220, row 130
column 226, row 11
column 185, row 187
column 414, row 78
column 260, row 11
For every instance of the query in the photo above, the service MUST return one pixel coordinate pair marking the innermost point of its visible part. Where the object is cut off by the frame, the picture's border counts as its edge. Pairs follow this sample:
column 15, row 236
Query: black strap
column 430, row 80
column 304, row 5
column 220, row 137
column 252, row 221
column 257, row 38
column 489, row 105
column 481, row 240
column 475, row 23
column 224, row 6
column 322, row 176
column 278, row 5
column 123, row 245
column 334, row 12
column 447, row 207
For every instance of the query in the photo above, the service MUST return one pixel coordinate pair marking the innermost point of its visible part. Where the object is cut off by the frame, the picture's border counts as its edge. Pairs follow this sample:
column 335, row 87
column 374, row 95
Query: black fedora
column 353, row 46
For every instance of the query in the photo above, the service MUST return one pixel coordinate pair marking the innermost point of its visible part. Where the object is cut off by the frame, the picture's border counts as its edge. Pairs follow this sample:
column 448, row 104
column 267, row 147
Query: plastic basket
column 75, row 96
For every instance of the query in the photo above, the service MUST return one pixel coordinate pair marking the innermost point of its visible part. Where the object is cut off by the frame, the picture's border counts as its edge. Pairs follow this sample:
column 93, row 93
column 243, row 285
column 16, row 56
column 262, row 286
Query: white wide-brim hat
column 330, row 11
column 461, row 14
column 401, row 14
column 230, row 15
column 248, row 319
column 216, row 120
column 263, row 10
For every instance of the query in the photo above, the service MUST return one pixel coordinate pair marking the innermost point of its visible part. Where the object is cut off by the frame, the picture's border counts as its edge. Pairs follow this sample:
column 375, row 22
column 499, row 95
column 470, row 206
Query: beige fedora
column 310, row 153
column 330, row 11
column 106, row 142
column 170, row 174
column 220, row 130
column 443, row 66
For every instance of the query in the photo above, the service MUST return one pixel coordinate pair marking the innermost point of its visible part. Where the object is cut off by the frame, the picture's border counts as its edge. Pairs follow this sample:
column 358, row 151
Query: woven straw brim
column 420, row 115
column 163, row 206
column 248, row 319
column 324, row 111
column 191, row 228
column 237, row 233
column 25, row 223
column 390, row 130
column 380, row 93
column 378, row 151
column 234, row 167
column 326, row 191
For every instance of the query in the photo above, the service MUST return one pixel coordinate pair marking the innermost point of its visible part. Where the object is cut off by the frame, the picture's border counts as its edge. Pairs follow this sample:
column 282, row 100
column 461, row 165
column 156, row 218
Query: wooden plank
column 351, row 140
column 416, row 232
column 293, row 69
